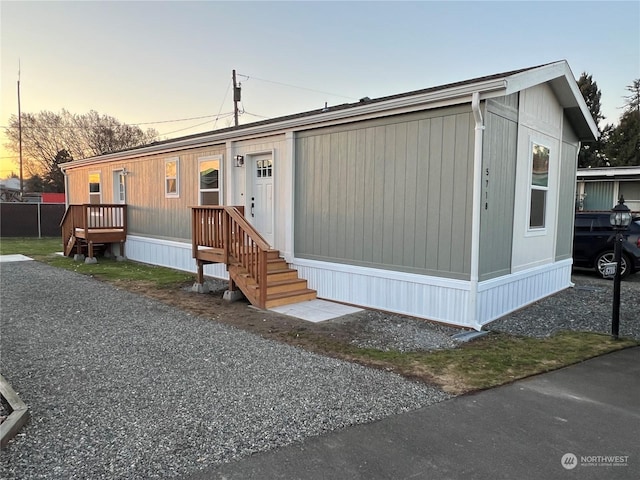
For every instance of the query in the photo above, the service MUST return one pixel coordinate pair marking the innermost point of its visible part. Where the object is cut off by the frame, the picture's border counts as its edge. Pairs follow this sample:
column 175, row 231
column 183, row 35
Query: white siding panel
column 166, row 253
column 434, row 298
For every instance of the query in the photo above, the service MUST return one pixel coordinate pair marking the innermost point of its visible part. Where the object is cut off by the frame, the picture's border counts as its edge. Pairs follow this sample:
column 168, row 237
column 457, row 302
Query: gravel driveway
column 120, row 386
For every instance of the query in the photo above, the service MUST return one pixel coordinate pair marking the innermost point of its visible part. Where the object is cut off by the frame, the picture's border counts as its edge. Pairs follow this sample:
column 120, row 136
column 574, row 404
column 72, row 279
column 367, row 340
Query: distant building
column 600, row 188
column 10, row 190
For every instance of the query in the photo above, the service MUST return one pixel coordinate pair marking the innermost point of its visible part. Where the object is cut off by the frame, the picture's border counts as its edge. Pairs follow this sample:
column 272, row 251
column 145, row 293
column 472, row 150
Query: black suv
column 593, row 241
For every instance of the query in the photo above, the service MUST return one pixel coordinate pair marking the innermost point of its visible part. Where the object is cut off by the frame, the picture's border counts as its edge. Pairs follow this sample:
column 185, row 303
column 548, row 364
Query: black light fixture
column 239, row 160
column 620, row 219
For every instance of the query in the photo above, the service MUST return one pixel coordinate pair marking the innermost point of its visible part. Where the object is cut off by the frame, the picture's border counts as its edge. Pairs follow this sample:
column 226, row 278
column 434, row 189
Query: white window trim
column 537, row 231
column 220, row 182
column 99, row 173
column 175, row 194
column 117, row 175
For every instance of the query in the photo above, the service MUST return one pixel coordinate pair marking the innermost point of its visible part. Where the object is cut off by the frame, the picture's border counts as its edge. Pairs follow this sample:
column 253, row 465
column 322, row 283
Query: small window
column 95, row 195
column 172, row 177
column 539, row 186
column 209, row 180
column 264, row 168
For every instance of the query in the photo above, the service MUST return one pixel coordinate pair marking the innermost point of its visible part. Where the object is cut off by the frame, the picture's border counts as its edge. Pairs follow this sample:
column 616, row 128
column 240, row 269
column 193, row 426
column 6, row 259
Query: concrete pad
column 14, row 258
column 316, row 310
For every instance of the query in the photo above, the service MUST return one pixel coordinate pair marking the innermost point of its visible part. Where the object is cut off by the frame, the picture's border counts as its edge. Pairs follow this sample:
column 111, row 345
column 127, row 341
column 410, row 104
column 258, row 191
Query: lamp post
column 620, row 219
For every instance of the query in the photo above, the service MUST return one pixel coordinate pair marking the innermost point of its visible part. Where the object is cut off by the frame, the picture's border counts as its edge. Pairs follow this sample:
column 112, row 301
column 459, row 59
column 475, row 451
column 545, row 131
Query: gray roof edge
column 504, row 83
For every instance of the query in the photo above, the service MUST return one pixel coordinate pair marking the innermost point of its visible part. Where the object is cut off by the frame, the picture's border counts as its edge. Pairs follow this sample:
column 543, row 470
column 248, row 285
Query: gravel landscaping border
column 122, row 386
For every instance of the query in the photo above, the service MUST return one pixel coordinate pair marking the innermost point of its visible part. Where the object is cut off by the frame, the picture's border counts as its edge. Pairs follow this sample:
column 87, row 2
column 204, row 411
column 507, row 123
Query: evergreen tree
column 54, row 178
column 623, row 148
column 592, row 154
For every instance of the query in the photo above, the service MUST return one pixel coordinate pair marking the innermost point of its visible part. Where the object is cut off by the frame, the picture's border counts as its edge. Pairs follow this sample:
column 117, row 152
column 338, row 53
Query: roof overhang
column 557, row 74
column 612, row 174
column 565, row 87
column 455, row 95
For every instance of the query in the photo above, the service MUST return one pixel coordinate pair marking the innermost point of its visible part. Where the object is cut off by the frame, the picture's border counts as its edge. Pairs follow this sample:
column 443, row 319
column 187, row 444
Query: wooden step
column 272, row 264
column 273, row 254
column 279, row 275
column 283, row 286
column 278, row 299
column 70, row 244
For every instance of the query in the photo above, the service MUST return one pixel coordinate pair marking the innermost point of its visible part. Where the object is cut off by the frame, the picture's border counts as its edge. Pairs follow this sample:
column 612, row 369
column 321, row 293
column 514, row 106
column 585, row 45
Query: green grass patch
column 30, row 247
column 497, row 359
column 127, row 271
column 44, row 250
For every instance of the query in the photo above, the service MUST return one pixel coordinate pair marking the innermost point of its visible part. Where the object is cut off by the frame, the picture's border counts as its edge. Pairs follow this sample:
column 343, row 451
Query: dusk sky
column 145, row 62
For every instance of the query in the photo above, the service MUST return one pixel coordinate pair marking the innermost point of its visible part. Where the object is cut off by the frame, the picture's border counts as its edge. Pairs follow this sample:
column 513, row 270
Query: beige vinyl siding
column 391, row 193
column 150, row 212
column 498, row 187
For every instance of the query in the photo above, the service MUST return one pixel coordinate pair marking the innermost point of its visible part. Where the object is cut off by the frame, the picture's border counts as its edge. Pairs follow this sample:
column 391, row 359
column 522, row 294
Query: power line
column 222, row 104
column 172, row 121
column 295, row 86
column 224, row 115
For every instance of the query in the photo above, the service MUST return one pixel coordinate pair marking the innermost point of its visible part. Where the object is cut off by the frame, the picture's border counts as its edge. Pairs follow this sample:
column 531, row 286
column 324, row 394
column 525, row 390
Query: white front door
column 261, row 206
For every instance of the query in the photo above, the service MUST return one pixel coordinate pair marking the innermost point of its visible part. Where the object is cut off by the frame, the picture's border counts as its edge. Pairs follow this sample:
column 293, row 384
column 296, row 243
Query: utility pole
column 20, row 136
column 236, row 98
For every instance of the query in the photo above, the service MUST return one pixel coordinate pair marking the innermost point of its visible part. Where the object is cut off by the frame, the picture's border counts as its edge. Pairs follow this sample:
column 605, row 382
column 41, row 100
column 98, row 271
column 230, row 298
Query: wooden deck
column 84, row 227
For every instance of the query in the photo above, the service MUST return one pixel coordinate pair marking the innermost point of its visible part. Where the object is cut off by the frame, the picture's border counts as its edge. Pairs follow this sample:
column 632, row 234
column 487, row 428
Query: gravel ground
column 387, row 332
column 585, row 307
column 121, row 386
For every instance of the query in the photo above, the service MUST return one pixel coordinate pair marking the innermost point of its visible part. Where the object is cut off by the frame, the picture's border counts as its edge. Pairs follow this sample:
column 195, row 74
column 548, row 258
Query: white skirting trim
column 434, row 298
column 500, row 296
column 167, row 253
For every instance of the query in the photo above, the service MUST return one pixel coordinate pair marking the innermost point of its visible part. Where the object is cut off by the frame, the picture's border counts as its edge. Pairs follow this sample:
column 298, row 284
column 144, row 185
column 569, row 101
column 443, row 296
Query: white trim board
column 433, row 298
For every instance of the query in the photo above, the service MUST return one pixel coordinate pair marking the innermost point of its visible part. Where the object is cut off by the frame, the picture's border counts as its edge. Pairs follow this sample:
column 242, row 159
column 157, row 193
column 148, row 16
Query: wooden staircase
column 283, row 285
column 76, row 245
column 223, row 235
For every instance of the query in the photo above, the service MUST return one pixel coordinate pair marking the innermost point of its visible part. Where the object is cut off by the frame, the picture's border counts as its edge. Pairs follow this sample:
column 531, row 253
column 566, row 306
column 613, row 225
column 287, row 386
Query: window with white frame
column 209, row 183
column 172, row 177
column 95, row 195
column 539, row 186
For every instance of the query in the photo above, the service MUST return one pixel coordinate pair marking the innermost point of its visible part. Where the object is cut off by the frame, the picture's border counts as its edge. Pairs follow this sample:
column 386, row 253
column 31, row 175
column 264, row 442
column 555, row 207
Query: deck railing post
column 194, row 233
column 263, row 278
column 226, row 234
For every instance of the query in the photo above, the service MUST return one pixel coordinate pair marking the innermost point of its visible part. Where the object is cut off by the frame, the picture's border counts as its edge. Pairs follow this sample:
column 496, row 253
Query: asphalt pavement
column 580, row 422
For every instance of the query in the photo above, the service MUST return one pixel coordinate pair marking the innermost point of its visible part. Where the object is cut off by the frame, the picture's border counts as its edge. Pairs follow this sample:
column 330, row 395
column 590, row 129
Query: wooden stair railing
column 223, row 235
column 71, row 220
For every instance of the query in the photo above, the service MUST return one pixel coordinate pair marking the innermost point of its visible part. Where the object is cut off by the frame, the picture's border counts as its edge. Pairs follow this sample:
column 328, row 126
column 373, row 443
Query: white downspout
column 476, row 209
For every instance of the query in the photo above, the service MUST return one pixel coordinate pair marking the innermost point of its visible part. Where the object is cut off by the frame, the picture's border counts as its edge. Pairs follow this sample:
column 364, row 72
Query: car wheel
column 608, row 257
